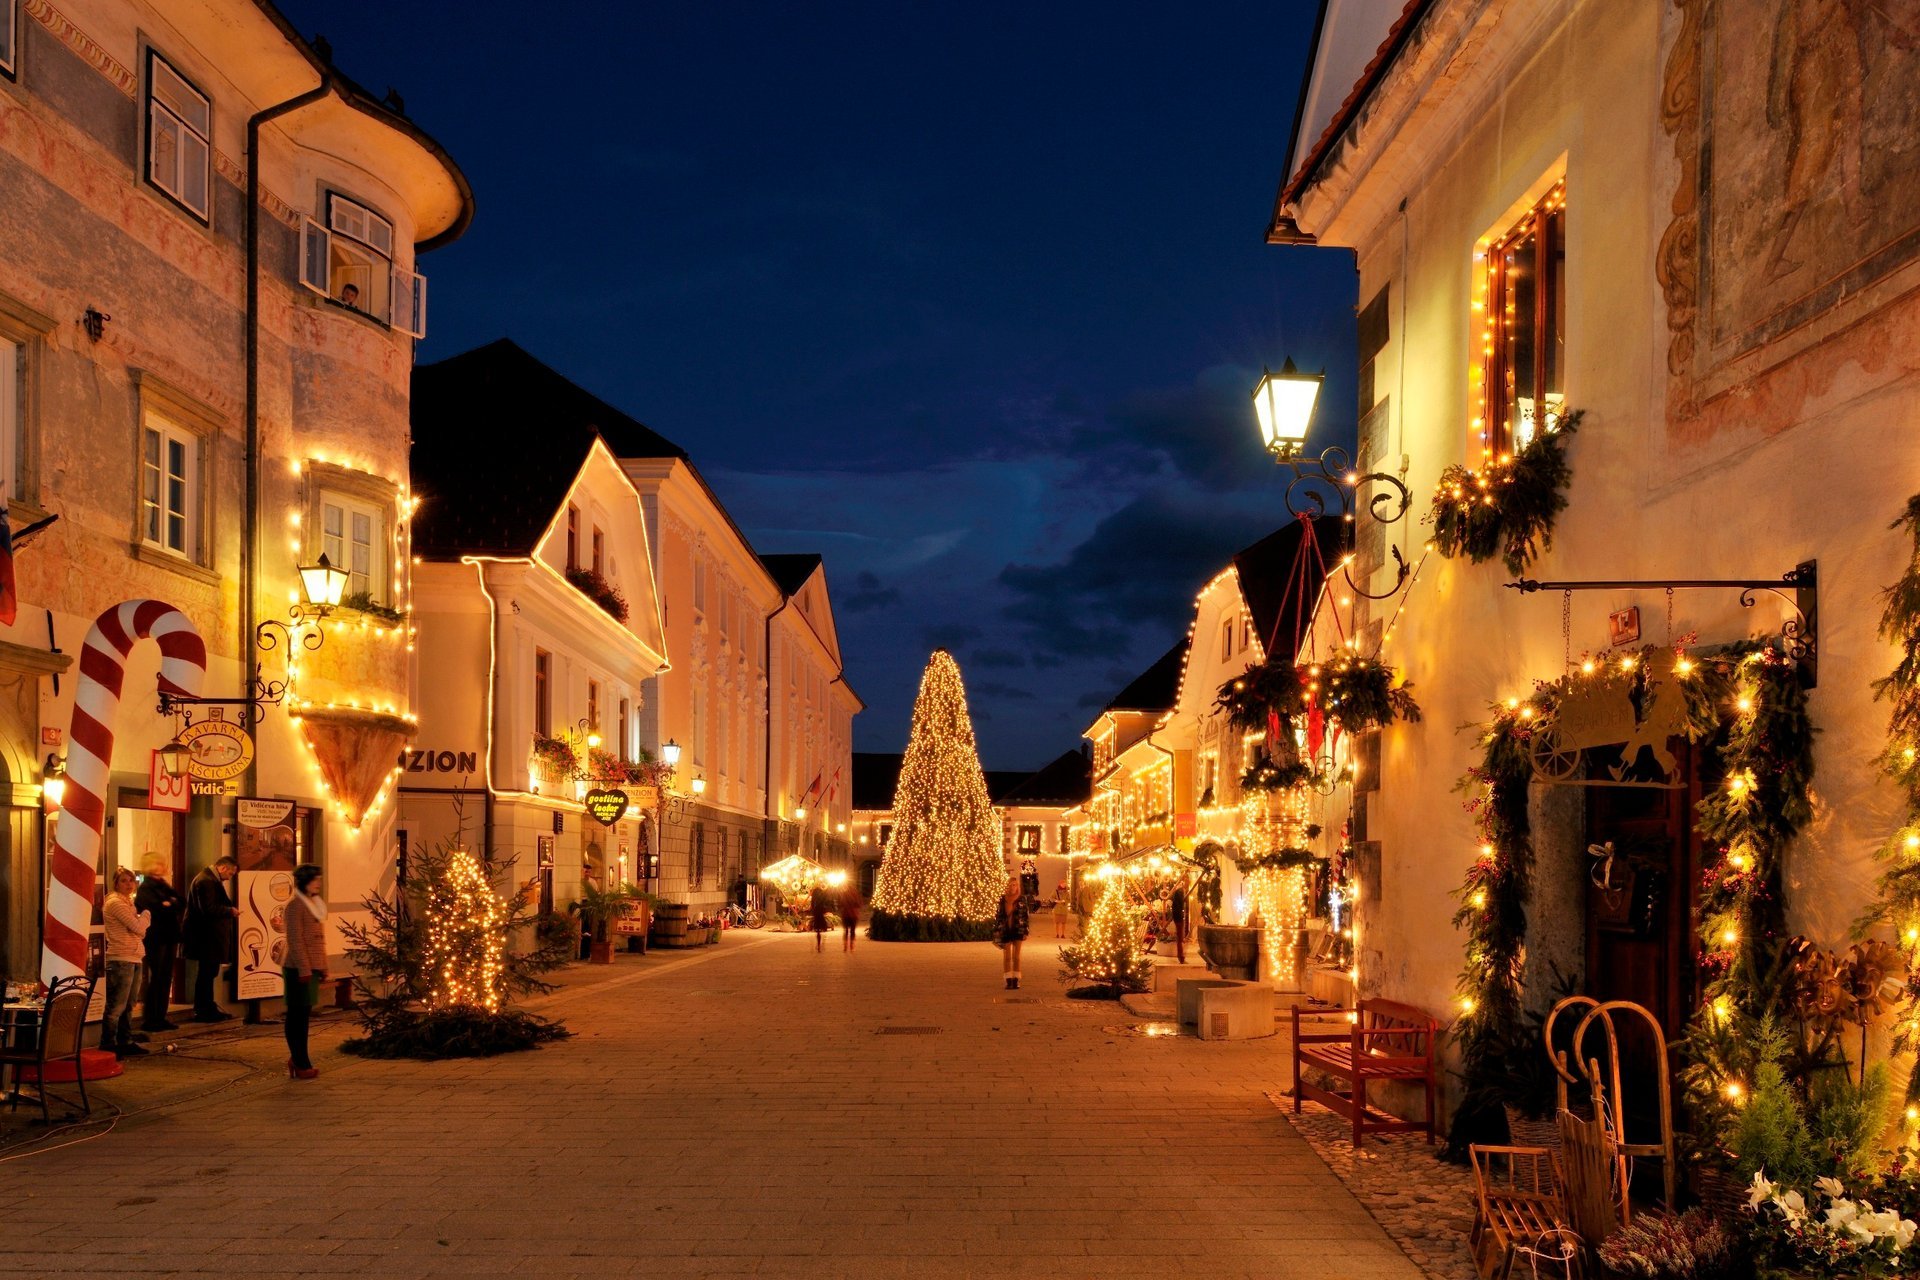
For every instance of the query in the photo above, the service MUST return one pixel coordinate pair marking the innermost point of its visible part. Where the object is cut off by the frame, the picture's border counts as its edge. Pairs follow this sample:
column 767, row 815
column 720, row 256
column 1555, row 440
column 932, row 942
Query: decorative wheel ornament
column 1551, row 757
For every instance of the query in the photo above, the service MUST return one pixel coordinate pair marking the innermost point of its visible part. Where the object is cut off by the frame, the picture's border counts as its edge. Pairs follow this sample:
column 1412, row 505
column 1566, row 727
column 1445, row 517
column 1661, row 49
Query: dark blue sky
column 969, row 298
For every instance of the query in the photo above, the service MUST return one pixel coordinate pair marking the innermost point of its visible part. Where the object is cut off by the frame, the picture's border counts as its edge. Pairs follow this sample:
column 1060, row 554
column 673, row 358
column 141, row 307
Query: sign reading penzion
column 440, row 761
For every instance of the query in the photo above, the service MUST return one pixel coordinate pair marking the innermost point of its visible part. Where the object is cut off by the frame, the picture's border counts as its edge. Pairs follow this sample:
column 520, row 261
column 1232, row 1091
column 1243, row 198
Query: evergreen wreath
column 1899, row 887
column 1508, row 509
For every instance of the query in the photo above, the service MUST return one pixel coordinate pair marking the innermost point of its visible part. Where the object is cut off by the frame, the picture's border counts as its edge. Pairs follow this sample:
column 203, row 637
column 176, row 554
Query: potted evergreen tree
column 598, row 908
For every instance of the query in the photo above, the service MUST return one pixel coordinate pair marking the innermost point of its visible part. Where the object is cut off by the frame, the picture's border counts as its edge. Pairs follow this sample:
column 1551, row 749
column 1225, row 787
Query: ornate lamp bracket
column 1333, row 472
column 262, row 692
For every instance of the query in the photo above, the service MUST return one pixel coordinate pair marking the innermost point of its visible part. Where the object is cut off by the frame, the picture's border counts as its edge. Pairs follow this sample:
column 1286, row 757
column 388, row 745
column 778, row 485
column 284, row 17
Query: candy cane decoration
column 96, row 701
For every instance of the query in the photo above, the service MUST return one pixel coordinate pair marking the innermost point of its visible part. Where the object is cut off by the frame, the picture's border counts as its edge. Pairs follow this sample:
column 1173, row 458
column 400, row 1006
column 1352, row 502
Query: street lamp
column 800, row 813
column 322, row 584
column 1284, row 402
column 699, row 786
column 670, row 754
column 174, row 758
column 53, row 780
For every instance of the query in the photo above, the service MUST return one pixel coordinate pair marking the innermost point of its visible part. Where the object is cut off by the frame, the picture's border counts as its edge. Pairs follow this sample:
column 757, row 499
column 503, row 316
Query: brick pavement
column 739, row 1111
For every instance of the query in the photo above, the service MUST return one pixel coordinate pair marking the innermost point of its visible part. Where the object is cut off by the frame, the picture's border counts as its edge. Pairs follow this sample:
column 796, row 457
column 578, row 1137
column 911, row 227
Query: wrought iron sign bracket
column 1798, row 587
column 1334, row 469
column 261, row 692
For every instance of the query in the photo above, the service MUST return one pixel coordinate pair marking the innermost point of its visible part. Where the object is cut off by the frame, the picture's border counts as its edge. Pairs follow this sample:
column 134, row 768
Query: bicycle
column 733, row 916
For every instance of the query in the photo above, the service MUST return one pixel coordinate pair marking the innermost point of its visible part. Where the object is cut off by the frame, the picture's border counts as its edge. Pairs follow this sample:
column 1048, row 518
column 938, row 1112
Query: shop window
column 9, row 38
column 542, row 693
column 350, row 262
column 1525, row 333
column 179, row 138
column 170, row 489
column 354, row 536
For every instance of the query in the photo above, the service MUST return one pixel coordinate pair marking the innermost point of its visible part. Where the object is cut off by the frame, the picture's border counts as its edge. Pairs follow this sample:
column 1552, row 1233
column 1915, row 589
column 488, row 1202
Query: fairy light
column 465, row 952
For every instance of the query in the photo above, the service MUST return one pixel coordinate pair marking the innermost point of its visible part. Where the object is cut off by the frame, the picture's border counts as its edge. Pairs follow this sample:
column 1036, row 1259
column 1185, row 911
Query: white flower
column 1793, row 1204
column 1841, row 1213
column 1830, row 1187
column 1884, row 1224
column 1761, row 1191
column 1903, row 1232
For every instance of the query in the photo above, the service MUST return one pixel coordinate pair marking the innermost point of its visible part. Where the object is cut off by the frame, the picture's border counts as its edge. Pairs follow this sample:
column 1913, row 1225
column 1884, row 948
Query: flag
column 833, row 787
column 811, row 788
column 9, row 594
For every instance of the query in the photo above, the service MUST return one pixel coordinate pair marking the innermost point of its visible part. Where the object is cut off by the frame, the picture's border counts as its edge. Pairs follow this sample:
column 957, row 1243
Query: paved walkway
column 747, row 1110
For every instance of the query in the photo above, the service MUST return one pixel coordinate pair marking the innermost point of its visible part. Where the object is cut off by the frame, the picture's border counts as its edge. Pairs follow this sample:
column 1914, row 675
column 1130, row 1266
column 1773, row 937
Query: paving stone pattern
column 735, row 1111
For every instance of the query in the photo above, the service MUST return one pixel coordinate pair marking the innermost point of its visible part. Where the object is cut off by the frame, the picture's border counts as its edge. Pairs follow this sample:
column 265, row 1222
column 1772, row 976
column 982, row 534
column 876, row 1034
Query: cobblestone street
column 754, row 1109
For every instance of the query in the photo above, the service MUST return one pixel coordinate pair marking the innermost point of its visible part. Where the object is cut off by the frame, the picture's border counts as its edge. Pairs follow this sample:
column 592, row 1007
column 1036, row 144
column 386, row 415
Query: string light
column 465, row 952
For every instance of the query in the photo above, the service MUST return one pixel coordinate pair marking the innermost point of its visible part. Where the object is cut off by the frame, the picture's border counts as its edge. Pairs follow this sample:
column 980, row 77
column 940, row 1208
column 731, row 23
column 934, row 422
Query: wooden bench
column 1385, row 1040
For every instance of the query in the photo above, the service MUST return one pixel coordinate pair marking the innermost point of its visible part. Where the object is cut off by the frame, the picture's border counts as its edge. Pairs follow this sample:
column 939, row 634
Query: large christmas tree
column 943, row 873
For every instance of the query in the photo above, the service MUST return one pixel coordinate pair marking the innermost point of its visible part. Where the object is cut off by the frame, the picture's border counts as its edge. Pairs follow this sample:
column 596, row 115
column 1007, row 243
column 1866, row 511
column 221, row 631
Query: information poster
column 265, row 851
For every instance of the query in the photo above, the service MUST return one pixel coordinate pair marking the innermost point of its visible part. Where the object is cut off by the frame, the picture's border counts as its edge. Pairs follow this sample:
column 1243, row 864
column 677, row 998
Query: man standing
column 211, row 918
column 1177, row 911
column 163, row 907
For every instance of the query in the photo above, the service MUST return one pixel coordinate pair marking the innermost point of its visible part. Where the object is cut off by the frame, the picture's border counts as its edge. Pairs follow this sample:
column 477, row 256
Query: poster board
column 265, row 849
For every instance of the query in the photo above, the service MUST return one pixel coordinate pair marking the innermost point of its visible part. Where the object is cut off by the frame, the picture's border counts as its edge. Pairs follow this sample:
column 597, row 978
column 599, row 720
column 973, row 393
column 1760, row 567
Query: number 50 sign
column 165, row 791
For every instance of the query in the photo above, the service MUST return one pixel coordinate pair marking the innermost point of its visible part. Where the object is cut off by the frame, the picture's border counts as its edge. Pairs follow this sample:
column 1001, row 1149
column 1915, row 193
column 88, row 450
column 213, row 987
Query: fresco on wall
column 1813, row 147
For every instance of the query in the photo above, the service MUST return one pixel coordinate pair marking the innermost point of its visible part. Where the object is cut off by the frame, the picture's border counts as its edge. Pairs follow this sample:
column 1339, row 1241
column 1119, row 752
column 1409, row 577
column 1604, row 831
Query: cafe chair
column 61, row 1022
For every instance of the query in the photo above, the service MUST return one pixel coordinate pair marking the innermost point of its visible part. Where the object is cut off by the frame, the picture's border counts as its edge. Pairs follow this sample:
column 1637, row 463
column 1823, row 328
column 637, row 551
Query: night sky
column 969, row 298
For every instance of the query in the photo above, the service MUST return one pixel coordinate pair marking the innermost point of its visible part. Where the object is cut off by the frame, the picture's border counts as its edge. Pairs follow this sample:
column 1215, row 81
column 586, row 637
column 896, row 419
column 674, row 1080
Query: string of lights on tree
column 465, row 948
column 944, row 861
column 1899, row 886
column 1109, row 953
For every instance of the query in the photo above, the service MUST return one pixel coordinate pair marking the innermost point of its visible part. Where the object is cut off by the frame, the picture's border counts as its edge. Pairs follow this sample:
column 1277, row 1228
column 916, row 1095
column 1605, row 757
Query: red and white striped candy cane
column 83, row 810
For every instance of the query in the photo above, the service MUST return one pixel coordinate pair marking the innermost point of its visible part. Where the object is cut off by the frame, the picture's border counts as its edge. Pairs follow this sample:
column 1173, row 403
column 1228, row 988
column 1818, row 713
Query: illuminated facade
column 204, row 376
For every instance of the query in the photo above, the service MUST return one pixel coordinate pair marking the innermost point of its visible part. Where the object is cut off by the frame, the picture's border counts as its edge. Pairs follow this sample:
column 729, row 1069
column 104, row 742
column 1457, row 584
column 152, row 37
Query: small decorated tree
column 943, row 873
column 438, row 964
column 1109, row 959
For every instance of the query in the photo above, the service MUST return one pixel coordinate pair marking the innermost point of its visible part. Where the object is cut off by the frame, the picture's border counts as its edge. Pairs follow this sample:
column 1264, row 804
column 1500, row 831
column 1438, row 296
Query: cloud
column 997, row 691
column 868, row 594
column 997, row 658
column 951, row 636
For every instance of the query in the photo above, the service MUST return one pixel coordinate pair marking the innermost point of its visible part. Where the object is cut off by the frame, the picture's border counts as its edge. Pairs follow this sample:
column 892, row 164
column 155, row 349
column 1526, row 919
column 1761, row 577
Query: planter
column 1524, row 1132
column 1230, row 950
column 602, row 952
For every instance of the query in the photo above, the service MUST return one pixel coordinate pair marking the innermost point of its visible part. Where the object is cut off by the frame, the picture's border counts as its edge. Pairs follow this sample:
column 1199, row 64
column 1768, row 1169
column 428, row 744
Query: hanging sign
column 606, row 806
column 265, row 848
column 164, row 791
column 643, row 798
column 221, row 749
column 1623, row 626
column 1603, row 713
column 1186, row 825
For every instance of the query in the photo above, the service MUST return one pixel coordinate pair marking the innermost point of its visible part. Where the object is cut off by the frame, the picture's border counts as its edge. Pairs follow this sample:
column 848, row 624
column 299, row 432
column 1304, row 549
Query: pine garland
column 1510, row 508
column 1899, row 886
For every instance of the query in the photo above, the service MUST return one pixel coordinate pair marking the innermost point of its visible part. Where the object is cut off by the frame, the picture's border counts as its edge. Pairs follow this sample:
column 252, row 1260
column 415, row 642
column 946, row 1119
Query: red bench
column 1385, row 1040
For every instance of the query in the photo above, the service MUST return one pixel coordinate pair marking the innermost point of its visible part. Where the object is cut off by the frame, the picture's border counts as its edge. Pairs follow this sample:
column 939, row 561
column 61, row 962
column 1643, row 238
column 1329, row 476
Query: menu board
column 265, row 850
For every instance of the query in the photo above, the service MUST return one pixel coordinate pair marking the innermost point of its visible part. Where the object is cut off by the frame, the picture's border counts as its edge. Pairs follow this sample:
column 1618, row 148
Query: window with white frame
column 9, row 38
column 350, row 261
column 698, row 746
column 700, row 586
column 353, row 533
column 170, row 490
column 1226, row 639
column 12, row 357
column 179, row 138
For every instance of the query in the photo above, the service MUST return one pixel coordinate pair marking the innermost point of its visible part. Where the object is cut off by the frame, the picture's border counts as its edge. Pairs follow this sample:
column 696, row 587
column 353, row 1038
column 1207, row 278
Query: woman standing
column 126, row 927
column 817, row 906
column 849, row 915
column 305, row 967
column 1010, row 929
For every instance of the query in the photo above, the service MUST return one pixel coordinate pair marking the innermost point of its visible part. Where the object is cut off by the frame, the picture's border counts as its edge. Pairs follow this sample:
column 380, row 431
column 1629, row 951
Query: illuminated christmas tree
column 943, row 873
column 464, row 948
column 1109, row 953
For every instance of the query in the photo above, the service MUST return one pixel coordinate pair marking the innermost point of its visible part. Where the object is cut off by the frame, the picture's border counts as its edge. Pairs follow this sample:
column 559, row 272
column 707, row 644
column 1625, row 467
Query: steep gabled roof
column 1279, row 590
column 1155, row 688
column 790, row 572
column 1065, row 781
column 498, row 438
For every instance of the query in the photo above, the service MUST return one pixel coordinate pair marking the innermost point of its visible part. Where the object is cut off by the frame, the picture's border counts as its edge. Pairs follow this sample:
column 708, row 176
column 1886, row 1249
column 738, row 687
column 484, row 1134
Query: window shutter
column 409, row 303
column 314, row 245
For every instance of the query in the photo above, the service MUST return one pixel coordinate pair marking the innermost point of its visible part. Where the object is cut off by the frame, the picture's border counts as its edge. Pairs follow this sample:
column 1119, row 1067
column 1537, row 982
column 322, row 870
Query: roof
column 791, row 571
column 1001, row 782
column 875, row 775
column 1064, row 781
column 474, row 410
column 1281, row 603
column 1156, row 688
column 1279, row 228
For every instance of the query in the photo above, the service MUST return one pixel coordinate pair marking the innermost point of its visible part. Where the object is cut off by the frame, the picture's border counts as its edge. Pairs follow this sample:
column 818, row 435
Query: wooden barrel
column 670, row 925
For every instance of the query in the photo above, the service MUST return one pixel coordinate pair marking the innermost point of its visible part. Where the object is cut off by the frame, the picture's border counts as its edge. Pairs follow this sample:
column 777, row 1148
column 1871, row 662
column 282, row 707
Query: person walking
column 817, row 907
column 849, row 915
column 1010, row 930
column 1062, row 908
column 305, row 967
column 163, row 906
column 1177, row 913
column 209, row 934
column 125, row 925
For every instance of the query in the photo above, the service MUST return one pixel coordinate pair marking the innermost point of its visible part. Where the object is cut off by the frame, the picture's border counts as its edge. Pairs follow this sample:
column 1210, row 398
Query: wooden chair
column 1518, row 1201
column 61, row 1022
column 1387, row 1040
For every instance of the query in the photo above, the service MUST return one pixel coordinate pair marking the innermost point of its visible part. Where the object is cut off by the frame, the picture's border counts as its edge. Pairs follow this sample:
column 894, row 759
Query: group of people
column 848, row 903
column 147, row 922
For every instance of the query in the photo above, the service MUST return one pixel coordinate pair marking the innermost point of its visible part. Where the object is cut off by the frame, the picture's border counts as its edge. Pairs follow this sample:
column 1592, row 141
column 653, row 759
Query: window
column 12, row 401
column 720, row 860
column 9, row 38
column 542, row 693
column 1063, row 834
column 170, row 489
column 696, row 748
column 349, row 261
column 700, row 586
column 353, row 534
column 1027, row 840
column 599, row 552
column 573, row 539
column 699, row 855
column 886, row 833
column 624, row 748
column 1226, row 639
column 1522, row 386
column 593, row 706
column 179, row 137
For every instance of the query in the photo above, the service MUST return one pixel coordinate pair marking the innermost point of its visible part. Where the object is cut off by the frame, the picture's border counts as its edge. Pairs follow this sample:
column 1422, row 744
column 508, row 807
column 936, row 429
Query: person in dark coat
column 849, row 915
column 1177, row 912
column 817, row 917
column 209, row 934
column 164, row 907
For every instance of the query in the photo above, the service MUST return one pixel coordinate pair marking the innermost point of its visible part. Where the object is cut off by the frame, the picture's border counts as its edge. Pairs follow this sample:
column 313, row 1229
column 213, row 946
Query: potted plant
column 598, row 908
